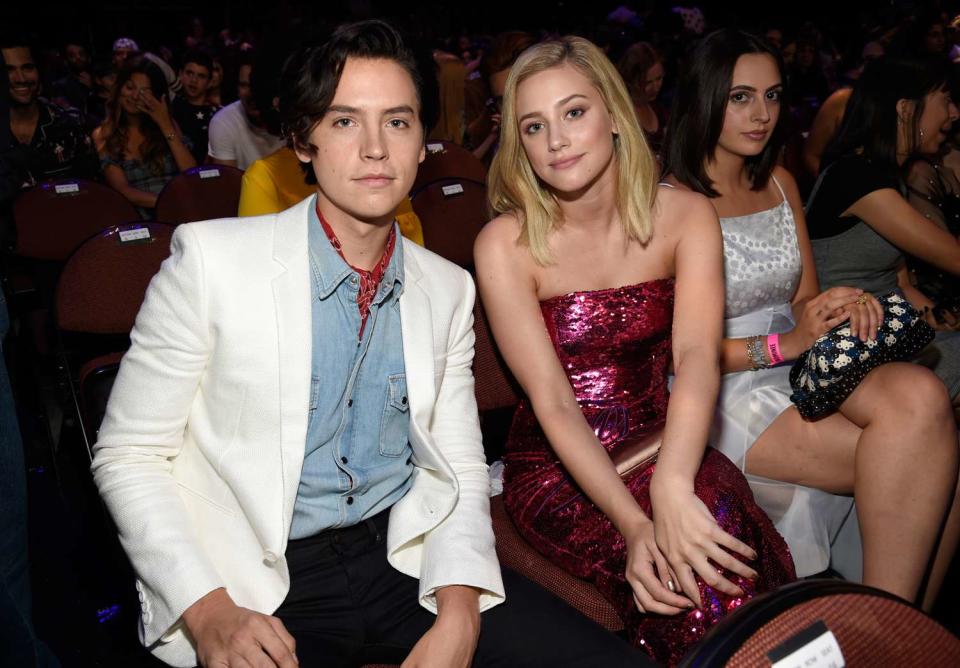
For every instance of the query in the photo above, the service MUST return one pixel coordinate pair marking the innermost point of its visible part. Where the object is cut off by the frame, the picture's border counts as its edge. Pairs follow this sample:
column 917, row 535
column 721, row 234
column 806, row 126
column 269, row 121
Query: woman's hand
column 655, row 585
column 693, row 542
column 157, row 110
column 866, row 316
column 823, row 313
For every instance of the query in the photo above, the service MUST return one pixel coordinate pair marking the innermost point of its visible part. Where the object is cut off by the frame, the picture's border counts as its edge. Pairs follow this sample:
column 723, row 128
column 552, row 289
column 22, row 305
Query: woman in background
column 140, row 145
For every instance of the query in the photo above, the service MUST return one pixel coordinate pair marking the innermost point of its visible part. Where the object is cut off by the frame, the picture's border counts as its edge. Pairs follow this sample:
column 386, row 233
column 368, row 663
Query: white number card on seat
column 210, row 173
column 453, row 189
column 137, row 234
column 63, row 188
column 435, row 148
column 814, row 647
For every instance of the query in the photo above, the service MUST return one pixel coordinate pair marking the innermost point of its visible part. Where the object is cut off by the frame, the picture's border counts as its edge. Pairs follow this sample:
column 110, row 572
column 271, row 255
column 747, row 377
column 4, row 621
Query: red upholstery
column 494, row 385
column 51, row 224
column 451, row 220
column 872, row 628
column 450, row 162
column 200, row 193
column 103, row 282
column 516, row 553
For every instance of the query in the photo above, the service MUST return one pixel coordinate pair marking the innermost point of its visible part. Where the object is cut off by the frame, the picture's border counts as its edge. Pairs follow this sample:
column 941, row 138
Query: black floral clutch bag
column 834, row 365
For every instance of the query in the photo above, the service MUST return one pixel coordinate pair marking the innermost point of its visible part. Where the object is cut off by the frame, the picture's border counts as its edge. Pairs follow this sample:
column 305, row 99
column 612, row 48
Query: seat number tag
column 814, row 647
column 136, row 234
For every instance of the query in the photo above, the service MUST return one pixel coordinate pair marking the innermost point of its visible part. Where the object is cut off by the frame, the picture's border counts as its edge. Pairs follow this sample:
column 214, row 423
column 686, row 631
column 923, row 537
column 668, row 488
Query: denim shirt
column 357, row 457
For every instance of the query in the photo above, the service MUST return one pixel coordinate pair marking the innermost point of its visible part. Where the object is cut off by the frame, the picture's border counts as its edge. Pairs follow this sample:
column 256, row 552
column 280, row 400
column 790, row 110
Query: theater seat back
column 200, row 193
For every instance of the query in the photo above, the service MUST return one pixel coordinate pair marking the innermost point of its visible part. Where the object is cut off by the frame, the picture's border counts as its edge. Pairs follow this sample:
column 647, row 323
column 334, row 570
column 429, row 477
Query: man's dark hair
column 12, row 40
column 700, row 105
column 199, row 57
column 312, row 73
column 265, row 72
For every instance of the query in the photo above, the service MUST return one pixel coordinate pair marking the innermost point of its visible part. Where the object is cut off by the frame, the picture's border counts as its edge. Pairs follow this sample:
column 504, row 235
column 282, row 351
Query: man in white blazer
column 291, row 451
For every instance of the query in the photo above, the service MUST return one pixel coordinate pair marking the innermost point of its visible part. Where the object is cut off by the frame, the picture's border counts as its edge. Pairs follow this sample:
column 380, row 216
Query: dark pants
column 347, row 606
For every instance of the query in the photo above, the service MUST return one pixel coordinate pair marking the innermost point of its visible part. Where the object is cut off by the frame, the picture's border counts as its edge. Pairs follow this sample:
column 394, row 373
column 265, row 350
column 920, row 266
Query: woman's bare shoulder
column 499, row 239
column 679, row 209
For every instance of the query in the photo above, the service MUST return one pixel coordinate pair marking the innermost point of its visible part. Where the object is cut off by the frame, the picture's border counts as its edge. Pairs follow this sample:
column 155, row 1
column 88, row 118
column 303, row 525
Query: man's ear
column 303, row 152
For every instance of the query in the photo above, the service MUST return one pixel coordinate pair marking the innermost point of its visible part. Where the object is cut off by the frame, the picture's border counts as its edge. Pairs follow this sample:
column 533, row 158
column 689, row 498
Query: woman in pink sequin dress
column 594, row 280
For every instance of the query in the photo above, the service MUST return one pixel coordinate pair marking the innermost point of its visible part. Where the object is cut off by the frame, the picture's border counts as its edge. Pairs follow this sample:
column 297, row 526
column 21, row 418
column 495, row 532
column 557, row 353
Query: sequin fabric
column 615, row 348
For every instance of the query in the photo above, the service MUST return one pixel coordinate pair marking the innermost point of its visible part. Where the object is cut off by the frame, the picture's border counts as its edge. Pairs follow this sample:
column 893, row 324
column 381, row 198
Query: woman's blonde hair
column 513, row 186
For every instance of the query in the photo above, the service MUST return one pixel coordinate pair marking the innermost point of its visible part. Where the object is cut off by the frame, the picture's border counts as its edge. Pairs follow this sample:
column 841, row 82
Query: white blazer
column 200, row 452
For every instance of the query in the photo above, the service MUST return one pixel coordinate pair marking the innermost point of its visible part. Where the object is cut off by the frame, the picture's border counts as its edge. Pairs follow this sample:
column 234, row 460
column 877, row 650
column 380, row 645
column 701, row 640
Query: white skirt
column 810, row 520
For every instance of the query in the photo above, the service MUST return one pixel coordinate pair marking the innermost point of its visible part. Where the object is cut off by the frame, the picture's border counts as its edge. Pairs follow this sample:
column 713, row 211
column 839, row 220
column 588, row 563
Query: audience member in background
column 104, row 77
column 642, row 70
column 196, row 37
column 191, row 110
column 237, row 134
column 808, row 83
column 860, row 223
column 46, row 141
column 214, row 97
column 169, row 74
column 934, row 190
column 451, row 75
column 830, row 114
column 484, row 132
column 726, row 147
column 140, row 145
column 76, row 88
column 123, row 48
column 594, row 278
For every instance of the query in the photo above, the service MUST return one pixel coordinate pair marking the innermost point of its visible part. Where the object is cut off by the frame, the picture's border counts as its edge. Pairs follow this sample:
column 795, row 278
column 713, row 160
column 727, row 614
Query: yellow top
column 275, row 183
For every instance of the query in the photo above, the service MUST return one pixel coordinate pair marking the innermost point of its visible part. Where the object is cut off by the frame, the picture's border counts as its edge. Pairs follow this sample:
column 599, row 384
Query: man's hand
column 227, row 635
column 452, row 640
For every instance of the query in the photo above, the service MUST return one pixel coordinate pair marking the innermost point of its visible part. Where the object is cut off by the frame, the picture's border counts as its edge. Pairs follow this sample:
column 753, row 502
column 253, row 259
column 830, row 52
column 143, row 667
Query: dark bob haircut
column 870, row 122
column 700, row 105
column 312, row 73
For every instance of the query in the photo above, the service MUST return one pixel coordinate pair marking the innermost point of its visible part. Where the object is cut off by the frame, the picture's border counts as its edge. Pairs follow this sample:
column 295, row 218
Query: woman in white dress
column 894, row 429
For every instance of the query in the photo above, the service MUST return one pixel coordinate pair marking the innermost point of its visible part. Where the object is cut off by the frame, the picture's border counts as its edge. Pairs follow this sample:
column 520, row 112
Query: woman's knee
column 910, row 392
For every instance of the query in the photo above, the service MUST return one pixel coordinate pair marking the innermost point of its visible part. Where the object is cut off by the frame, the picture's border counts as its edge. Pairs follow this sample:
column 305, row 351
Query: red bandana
column 369, row 280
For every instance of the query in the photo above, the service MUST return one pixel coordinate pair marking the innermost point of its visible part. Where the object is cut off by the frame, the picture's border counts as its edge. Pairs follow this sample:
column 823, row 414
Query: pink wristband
column 773, row 349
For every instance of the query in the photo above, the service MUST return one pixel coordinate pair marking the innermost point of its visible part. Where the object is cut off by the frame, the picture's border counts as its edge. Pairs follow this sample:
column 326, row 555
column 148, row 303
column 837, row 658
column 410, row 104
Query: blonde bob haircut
column 513, row 187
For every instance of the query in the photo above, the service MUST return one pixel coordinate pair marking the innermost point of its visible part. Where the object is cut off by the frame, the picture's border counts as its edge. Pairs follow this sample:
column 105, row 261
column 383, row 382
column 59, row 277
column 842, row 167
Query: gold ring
column 863, row 299
column 672, row 587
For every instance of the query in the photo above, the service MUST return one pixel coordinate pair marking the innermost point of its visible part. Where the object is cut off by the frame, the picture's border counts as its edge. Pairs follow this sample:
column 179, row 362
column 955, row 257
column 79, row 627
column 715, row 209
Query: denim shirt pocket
column 394, row 426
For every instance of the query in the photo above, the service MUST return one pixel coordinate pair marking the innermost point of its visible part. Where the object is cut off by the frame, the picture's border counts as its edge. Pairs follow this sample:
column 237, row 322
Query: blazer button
column 270, row 557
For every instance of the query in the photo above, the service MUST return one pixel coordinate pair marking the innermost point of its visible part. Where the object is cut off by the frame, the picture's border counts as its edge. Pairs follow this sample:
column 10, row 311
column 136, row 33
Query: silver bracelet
column 756, row 353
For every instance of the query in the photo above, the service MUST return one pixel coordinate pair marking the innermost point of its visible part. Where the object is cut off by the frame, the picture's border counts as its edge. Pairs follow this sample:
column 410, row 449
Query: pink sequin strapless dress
column 615, row 348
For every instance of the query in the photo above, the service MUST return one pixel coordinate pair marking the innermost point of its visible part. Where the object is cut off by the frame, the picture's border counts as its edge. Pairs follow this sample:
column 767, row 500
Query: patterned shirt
column 60, row 148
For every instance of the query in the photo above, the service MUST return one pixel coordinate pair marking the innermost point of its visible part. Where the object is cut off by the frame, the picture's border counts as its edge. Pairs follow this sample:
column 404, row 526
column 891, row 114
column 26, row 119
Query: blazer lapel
column 291, row 293
column 416, row 324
